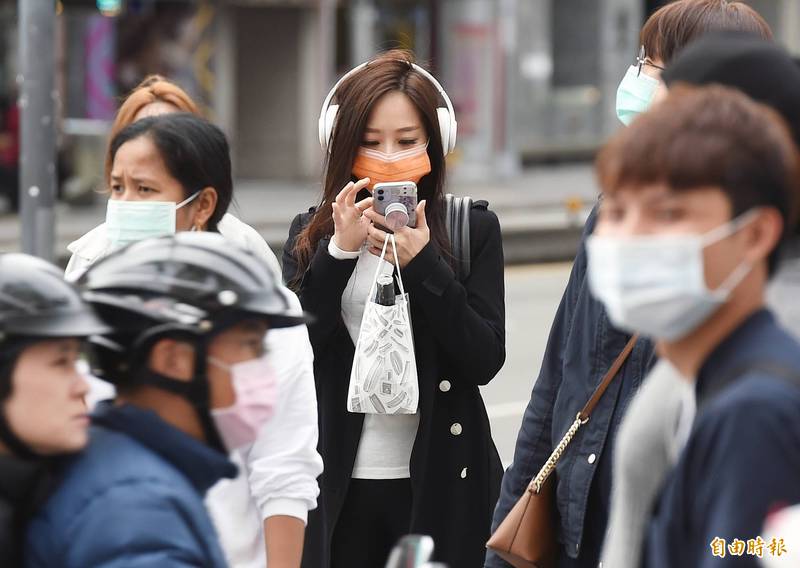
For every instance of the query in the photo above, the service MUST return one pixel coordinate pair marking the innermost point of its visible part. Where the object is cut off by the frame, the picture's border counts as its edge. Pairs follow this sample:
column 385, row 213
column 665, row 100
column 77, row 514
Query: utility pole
column 37, row 105
column 327, row 43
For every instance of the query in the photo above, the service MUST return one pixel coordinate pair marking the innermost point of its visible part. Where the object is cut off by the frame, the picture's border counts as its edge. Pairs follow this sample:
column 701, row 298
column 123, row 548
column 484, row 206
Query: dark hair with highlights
column 194, row 151
column 389, row 72
column 709, row 137
column 674, row 26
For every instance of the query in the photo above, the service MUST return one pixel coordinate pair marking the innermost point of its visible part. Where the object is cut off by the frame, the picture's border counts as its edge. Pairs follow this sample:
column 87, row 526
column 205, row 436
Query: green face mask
column 635, row 94
column 131, row 221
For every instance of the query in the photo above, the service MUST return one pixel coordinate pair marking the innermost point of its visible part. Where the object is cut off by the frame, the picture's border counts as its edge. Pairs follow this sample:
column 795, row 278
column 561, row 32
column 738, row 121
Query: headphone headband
column 447, row 124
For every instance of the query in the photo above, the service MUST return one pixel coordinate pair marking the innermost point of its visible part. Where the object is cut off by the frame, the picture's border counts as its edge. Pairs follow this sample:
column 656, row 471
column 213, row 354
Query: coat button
column 464, row 473
column 456, row 429
column 592, row 458
column 444, row 386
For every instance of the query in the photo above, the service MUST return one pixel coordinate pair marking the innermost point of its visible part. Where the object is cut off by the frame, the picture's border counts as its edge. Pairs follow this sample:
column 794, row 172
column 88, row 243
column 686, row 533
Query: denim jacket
column 581, row 348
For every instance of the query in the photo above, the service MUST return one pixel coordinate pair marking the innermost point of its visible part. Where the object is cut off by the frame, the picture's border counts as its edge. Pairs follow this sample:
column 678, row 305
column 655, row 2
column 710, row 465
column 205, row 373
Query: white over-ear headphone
column 447, row 116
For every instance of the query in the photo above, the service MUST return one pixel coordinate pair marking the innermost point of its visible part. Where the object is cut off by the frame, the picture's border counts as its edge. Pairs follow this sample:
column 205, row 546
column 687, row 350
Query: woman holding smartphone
column 435, row 472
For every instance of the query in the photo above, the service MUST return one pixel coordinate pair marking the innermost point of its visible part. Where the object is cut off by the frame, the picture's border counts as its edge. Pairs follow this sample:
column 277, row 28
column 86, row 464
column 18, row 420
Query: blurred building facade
column 530, row 79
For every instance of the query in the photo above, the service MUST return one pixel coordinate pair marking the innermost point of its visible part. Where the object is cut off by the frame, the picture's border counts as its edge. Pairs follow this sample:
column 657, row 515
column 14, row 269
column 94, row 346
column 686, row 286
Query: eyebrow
column 149, row 182
column 67, row 347
column 254, row 326
column 404, row 129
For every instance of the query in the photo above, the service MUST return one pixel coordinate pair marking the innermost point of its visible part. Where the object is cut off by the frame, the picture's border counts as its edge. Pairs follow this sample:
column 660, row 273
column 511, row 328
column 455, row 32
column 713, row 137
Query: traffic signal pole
column 38, row 101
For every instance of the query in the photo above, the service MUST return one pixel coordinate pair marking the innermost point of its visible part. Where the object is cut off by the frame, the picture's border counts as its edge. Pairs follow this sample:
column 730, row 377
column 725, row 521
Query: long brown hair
column 153, row 89
column 391, row 71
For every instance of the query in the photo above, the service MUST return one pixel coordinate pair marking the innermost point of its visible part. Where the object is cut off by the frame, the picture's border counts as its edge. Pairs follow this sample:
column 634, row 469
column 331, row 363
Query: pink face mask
column 254, row 383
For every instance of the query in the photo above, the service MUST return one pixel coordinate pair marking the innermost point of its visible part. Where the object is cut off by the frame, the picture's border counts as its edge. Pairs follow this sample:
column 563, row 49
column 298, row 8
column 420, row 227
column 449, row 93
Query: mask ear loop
column 743, row 269
column 187, row 201
column 730, row 228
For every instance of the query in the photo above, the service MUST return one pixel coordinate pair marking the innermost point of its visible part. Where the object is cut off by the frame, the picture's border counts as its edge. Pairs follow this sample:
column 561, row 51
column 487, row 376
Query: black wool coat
column 459, row 337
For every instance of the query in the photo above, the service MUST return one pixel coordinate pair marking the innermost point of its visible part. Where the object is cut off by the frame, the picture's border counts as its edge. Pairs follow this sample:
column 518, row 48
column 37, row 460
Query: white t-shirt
column 384, row 451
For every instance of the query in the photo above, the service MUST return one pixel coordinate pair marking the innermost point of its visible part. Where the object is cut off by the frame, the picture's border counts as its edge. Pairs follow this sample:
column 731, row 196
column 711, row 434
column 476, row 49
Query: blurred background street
column 533, row 83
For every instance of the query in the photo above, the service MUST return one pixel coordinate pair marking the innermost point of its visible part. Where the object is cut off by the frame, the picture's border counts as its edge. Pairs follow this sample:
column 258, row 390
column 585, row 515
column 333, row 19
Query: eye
column 669, row 214
column 146, row 190
column 370, row 142
column 409, row 141
column 64, row 362
column 612, row 213
column 116, row 188
column 255, row 344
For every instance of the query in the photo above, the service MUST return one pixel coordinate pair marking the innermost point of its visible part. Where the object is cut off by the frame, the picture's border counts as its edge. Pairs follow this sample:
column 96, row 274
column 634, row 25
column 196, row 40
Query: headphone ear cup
column 447, row 127
column 326, row 127
column 444, row 128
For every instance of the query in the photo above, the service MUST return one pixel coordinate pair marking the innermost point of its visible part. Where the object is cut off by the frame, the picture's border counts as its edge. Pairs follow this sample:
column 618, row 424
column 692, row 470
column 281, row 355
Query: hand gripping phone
column 397, row 201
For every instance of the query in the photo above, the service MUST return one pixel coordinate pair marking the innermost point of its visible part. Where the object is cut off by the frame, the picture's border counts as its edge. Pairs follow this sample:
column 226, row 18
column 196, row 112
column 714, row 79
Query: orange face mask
column 380, row 167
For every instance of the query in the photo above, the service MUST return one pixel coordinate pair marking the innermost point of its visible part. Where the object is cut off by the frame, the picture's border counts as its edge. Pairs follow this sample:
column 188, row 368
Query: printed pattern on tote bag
column 383, row 379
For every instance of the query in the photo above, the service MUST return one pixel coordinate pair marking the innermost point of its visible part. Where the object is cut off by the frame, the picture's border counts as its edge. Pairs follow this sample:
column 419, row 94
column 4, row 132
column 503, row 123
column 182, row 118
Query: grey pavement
column 532, row 297
column 541, row 210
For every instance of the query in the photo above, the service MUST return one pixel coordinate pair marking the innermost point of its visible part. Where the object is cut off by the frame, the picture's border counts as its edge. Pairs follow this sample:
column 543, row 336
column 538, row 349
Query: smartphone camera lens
column 380, row 192
column 380, row 198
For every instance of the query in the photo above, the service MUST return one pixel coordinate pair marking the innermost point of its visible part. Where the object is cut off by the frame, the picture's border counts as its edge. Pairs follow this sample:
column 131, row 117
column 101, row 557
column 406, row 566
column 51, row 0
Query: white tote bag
column 383, row 379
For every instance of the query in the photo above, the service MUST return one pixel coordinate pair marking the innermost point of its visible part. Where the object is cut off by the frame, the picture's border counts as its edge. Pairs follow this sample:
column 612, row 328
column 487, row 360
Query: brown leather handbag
column 527, row 536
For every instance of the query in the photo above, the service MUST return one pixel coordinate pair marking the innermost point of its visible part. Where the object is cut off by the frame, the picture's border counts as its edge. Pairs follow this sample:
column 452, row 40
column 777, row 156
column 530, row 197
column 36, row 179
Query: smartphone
column 402, row 192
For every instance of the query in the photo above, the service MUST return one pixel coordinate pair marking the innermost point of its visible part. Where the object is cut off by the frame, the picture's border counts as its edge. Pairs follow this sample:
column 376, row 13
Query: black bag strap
column 457, row 213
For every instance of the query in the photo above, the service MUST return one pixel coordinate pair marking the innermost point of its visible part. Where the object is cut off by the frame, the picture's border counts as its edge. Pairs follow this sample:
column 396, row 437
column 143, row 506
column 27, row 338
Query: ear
column 172, row 358
column 205, row 205
column 764, row 233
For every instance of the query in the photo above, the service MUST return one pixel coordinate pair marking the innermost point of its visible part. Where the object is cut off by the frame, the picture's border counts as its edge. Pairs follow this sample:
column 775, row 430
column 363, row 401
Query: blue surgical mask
column 635, row 94
column 656, row 285
column 131, row 221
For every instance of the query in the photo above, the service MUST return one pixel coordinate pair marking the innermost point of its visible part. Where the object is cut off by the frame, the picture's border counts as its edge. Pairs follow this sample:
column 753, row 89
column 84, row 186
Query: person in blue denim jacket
column 583, row 342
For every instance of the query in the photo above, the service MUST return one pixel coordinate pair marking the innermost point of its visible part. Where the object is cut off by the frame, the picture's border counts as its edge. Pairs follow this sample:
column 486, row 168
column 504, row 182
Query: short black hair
column 195, row 152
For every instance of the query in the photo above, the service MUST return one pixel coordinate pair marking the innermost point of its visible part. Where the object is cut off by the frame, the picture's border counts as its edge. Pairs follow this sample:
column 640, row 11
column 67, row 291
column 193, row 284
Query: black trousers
column 376, row 513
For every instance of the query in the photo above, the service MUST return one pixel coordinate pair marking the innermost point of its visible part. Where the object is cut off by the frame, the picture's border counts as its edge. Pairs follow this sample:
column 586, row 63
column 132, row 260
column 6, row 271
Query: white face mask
column 131, row 221
column 655, row 285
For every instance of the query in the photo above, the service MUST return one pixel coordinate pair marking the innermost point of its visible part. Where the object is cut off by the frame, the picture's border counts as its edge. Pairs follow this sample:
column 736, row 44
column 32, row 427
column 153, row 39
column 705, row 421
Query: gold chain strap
column 537, row 482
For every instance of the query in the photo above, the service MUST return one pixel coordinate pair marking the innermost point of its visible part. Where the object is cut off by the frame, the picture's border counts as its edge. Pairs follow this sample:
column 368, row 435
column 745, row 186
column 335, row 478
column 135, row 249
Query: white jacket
column 278, row 473
column 95, row 245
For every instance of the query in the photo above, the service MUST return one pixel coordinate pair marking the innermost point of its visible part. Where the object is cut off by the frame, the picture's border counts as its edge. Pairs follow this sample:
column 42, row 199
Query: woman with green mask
column 126, row 223
column 171, row 172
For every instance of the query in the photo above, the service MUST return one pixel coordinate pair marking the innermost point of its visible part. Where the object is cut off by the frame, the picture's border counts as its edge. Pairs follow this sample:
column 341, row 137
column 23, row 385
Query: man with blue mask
column 583, row 343
column 698, row 197
column 658, row 419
